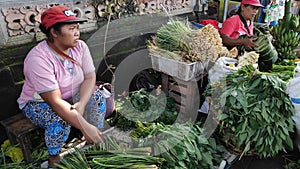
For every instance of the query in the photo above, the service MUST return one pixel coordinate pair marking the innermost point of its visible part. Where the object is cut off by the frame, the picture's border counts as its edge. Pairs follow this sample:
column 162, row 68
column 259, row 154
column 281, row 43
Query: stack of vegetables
column 255, row 113
column 176, row 40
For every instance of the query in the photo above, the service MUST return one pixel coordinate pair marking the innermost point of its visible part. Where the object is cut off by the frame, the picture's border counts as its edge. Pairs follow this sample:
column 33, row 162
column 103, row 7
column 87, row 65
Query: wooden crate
column 18, row 129
column 185, row 93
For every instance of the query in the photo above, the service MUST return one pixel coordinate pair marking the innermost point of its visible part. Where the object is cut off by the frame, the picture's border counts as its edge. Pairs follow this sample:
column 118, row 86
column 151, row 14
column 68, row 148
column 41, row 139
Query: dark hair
column 56, row 27
column 240, row 8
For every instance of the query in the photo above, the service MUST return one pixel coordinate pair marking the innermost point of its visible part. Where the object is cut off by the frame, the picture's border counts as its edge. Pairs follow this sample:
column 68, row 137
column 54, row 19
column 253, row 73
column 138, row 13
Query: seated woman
column 241, row 24
column 56, row 70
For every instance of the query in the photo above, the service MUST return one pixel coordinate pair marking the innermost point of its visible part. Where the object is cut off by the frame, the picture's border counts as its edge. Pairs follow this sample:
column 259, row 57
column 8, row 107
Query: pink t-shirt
column 44, row 71
column 234, row 27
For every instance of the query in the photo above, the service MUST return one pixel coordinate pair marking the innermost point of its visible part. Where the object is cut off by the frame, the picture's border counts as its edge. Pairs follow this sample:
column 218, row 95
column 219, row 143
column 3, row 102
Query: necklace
column 62, row 53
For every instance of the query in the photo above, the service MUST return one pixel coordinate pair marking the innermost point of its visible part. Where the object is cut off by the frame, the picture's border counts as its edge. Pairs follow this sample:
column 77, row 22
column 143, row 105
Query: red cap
column 252, row 2
column 57, row 14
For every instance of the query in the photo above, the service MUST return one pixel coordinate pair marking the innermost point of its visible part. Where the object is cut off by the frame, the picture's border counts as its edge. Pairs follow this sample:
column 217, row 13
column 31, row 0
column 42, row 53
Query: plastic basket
column 181, row 70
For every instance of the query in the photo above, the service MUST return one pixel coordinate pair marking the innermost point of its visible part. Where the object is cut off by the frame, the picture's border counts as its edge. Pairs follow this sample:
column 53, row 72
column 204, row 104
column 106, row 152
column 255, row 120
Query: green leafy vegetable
column 256, row 113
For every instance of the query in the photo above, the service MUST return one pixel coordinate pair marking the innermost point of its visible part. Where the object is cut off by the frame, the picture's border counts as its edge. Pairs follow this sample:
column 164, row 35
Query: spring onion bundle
column 178, row 41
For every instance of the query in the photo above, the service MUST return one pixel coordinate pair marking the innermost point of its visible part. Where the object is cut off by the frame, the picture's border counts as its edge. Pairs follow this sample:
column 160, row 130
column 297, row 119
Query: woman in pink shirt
column 241, row 24
column 56, row 70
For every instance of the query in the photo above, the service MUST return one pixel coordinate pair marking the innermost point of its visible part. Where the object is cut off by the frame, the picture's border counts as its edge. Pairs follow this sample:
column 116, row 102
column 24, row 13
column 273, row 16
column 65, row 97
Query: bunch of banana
column 294, row 22
column 286, row 39
column 266, row 49
column 278, row 30
column 286, row 44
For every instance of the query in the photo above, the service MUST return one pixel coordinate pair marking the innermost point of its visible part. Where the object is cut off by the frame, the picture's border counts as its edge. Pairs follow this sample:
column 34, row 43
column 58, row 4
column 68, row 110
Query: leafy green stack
column 143, row 106
column 182, row 145
column 178, row 41
column 286, row 37
column 255, row 113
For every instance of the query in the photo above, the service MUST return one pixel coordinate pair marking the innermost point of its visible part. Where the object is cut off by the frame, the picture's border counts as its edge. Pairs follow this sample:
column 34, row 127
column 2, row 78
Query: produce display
column 178, row 41
column 252, row 107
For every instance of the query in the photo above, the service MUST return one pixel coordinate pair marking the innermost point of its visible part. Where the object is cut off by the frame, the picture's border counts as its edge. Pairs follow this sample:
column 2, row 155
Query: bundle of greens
column 284, row 72
column 181, row 145
column 109, row 155
column 176, row 40
column 255, row 113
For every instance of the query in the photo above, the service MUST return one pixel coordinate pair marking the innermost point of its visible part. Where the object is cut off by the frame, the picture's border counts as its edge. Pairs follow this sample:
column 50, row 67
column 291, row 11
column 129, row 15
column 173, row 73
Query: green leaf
column 234, row 93
column 242, row 138
column 189, row 146
column 255, row 83
column 289, row 142
column 264, row 113
column 232, row 100
column 245, row 124
column 246, row 149
column 269, row 130
column 207, row 158
column 223, row 116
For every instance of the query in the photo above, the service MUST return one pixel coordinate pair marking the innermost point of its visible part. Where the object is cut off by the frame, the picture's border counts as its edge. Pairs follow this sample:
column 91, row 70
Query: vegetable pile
column 256, row 113
column 182, row 145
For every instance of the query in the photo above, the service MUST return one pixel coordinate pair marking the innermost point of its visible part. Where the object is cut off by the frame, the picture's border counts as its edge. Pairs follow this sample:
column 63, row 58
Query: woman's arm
column 231, row 42
column 63, row 109
column 86, row 90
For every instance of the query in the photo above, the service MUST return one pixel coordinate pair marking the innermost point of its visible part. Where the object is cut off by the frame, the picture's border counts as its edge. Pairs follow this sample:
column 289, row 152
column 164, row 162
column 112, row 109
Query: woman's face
column 249, row 11
column 69, row 34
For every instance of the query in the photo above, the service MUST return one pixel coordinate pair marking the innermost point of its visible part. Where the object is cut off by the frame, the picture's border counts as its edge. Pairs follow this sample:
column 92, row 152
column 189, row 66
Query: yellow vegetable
column 296, row 60
column 15, row 153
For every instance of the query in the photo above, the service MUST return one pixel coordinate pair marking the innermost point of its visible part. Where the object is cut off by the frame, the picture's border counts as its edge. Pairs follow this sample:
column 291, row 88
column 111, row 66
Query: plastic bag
column 218, row 72
column 221, row 69
column 106, row 89
column 293, row 89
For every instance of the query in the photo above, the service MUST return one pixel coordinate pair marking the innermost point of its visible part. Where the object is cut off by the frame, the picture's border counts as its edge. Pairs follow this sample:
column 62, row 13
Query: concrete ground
column 278, row 162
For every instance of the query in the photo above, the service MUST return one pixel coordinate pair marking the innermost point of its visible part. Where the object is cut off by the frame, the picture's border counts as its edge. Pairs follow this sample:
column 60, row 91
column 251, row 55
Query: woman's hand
column 249, row 44
column 91, row 133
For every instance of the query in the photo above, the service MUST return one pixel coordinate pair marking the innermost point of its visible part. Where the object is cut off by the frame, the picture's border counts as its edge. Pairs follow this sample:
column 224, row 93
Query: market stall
column 255, row 115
